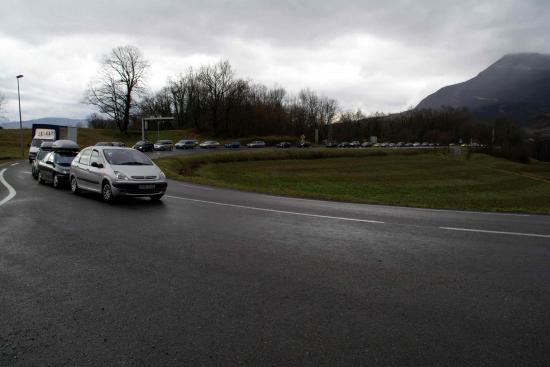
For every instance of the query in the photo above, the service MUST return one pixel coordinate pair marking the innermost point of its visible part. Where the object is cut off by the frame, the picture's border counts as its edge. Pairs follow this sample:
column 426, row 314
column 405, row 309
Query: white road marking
column 194, row 186
column 27, row 172
column 11, row 190
column 14, row 164
column 277, row 211
column 496, row 232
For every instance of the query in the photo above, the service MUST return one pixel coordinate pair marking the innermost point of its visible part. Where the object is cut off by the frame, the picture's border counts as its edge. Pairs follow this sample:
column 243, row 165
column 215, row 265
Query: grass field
column 425, row 179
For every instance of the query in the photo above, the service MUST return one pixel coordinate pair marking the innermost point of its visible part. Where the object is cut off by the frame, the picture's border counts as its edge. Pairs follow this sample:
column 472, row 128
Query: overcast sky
column 379, row 55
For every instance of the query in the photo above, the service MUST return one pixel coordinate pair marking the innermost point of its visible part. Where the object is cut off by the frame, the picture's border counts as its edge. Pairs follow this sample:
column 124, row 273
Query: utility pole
column 20, row 119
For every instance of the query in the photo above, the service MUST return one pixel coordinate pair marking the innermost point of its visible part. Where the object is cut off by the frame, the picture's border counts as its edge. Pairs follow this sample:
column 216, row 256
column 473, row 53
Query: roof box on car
column 46, row 145
column 65, row 145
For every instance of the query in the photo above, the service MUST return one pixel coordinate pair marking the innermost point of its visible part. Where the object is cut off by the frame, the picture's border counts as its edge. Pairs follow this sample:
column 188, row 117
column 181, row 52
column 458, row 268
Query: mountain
column 517, row 87
column 46, row 120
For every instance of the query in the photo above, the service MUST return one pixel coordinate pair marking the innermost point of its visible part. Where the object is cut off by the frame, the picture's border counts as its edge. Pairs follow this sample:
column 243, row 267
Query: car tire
column 107, row 192
column 34, row 175
column 74, row 186
column 55, row 181
column 156, row 197
column 40, row 179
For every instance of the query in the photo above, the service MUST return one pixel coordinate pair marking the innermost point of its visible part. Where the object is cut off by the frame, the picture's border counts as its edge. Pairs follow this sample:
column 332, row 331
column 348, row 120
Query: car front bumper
column 139, row 188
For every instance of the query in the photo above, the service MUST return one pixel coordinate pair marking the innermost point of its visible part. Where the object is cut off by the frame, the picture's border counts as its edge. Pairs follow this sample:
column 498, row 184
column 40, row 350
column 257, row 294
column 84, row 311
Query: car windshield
column 41, row 154
column 126, row 157
column 64, row 158
column 36, row 142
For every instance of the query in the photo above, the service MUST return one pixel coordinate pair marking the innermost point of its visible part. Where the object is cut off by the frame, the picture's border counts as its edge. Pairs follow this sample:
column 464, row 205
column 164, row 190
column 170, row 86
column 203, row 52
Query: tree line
column 208, row 99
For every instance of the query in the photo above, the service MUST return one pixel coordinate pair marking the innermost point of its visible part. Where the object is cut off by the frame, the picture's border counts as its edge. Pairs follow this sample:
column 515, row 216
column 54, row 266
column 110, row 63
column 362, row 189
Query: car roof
column 101, row 147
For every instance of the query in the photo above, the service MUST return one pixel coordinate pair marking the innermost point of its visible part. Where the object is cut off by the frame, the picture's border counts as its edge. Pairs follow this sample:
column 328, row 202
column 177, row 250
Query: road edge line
column 496, row 232
column 277, row 211
column 11, row 190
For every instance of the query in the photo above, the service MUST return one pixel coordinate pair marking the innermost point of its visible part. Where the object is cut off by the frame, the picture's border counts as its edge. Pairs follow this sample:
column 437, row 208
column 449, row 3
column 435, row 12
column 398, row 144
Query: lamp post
column 20, row 120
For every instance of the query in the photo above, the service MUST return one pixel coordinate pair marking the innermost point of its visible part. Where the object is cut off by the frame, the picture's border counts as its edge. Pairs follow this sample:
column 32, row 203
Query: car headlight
column 121, row 176
column 162, row 175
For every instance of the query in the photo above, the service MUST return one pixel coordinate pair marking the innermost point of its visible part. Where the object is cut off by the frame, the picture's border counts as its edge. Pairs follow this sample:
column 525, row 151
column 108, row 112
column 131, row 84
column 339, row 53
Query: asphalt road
column 218, row 277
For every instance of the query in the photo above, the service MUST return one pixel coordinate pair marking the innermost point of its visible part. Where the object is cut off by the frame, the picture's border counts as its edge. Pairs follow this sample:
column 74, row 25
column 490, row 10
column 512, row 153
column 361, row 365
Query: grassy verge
column 419, row 178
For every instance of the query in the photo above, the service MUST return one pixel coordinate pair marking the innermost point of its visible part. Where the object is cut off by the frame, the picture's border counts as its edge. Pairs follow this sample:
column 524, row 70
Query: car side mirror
column 97, row 165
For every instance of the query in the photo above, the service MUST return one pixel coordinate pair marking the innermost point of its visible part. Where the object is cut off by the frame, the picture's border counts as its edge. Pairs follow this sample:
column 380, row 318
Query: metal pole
column 20, row 119
column 142, row 130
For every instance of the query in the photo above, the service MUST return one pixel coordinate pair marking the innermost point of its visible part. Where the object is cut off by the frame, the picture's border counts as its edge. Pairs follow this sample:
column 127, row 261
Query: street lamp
column 20, row 120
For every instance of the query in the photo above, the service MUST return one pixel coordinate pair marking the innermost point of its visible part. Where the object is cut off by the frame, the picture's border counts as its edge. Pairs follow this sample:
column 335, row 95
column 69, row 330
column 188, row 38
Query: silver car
column 115, row 171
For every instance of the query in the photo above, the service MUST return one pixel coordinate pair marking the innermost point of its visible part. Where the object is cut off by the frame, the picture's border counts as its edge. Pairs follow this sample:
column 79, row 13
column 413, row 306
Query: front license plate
column 146, row 187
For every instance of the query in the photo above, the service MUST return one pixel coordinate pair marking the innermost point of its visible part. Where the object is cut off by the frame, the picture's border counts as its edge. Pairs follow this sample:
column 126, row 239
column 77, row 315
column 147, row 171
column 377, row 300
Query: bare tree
column 120, row 80
column 218, row 81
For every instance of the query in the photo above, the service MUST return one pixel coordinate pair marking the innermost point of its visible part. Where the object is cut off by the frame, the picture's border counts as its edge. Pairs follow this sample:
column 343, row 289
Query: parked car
column 44, row 149
column 233, row 145
column 144, row 146
column 256, row 144
column 331, row 144
column 409, row 145
column 55, row 165
column 305, row 144
column 115, row 171
column 417, row 144
column 425, row 144
column 400, row 144
column 186, row 144
column 118, row 144
column 344, row 144
column 284, row 144
column 163, row 145
column 209, row 144
column 355, row 144
column 366, row 144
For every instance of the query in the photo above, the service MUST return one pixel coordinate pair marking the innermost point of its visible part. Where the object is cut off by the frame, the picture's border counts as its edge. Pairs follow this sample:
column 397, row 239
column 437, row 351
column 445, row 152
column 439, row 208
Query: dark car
column 186, row 144
column 163, row 145
column 331, row 144
column 366, row 144
column 304, row 144
column 355, row 144
column 283, row 144
column 144, row 146
column 233, row 145
column 344, row 144
column 55, row 165
column 44, row 149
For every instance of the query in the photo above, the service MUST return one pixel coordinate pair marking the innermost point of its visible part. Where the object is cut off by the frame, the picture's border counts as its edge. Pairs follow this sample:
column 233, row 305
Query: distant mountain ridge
column 62, row 121
column 517, row 87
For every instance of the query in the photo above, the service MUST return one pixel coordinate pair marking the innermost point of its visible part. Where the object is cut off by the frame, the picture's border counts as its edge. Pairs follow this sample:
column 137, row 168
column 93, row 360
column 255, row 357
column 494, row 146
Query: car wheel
column 74, row 186
column 40, row 179
column 156, row 197
column 34, row 175
column 107, row 192
column 55, row 181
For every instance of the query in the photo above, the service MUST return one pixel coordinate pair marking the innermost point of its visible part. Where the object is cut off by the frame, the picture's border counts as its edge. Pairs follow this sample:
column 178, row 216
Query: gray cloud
column 377, row 55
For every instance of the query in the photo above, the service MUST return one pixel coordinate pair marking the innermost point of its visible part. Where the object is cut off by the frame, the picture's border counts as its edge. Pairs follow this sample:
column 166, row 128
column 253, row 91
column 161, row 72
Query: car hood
column 138, row 170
